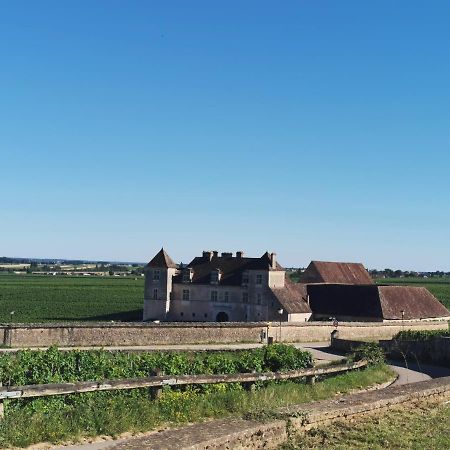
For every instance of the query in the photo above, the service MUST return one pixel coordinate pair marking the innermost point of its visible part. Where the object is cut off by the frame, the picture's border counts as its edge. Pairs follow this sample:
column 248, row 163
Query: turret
column 158, row 286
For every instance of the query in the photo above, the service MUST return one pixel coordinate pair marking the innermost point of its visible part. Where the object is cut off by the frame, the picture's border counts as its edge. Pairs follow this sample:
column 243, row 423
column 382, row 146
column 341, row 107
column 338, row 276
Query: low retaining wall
column 240, row 434
column 435, row 350
column 142, row 334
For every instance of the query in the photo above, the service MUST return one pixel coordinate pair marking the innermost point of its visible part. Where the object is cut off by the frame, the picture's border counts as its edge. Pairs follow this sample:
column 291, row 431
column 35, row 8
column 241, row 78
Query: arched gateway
column 222, row 317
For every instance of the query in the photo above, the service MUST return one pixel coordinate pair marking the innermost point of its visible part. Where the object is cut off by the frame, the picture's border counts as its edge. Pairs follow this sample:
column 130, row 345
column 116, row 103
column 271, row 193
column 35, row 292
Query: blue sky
column 316, row 129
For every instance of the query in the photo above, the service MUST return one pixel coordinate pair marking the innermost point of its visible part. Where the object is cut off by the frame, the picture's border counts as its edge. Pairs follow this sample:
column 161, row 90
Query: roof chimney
column 208, row 255
column 273, row 260
column 240, row 254
column 215, row 253
column 227, row 255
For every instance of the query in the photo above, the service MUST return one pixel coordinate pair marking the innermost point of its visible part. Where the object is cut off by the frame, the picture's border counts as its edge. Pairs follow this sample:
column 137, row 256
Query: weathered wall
column 136, row 334
column 436, row 350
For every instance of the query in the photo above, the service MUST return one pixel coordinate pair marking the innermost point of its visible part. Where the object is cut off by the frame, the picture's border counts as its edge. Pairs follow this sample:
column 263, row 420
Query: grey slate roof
column 162, row 260
column 231, row 268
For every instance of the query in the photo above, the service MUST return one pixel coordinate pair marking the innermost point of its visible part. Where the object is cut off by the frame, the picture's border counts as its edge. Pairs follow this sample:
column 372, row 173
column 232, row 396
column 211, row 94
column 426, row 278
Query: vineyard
column 35, row 298
column 56, row 299
column 74, row 416
column 83, row 411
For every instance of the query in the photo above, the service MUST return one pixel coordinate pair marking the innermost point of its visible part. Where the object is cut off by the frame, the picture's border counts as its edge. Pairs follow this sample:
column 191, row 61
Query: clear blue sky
column 316, row 129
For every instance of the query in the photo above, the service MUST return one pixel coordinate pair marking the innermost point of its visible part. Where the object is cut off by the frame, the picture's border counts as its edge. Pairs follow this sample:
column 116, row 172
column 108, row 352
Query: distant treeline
column 389, row 273
column 295, row 274
column 75, row 262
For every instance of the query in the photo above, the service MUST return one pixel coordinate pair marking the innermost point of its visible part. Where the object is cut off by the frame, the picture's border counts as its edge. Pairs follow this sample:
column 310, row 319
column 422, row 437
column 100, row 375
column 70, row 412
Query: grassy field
column 439, row 287
column 415, row 427
column 35, row 298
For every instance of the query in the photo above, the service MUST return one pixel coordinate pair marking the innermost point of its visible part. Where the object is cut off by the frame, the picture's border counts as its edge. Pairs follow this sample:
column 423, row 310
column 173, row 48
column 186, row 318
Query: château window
column 259, row 279
column 186, row 296
column 215, row 276
column 245, row 278
column 186, row 275
column 155, row 294
column 226, row 296
column 214, row 296
column 156, row 275
column 245, row 297
column 258, row 299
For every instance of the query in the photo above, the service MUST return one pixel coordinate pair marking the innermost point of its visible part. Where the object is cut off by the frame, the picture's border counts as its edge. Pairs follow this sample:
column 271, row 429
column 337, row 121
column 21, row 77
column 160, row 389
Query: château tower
column 158, row 286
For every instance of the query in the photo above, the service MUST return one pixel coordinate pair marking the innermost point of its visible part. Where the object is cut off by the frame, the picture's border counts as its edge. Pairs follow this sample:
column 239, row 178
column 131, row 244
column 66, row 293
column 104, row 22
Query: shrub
column 371, row 352
column 420, row 335
column 280, row 357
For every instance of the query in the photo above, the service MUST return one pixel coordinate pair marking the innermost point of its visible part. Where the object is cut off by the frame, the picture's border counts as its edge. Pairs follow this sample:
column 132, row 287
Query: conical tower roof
column 162, row 259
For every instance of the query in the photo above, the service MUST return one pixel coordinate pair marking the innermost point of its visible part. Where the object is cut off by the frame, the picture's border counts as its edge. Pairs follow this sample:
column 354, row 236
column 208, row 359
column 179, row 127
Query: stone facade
column 223, row 288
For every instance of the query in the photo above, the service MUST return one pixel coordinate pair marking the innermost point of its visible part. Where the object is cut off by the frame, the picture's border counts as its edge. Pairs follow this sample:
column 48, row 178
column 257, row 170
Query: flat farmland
column 36, row 298
column 439, row 287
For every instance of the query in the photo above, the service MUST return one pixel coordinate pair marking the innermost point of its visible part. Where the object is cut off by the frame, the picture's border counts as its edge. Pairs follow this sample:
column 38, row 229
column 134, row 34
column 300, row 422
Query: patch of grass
column 91, row 414
column 406, row 427
column 39, row 298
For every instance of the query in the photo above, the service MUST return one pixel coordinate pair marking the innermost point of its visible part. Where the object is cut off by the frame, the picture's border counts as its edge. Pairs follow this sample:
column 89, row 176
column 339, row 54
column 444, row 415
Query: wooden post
column 249, row 386
column 312, row 380
column 2, row 406
column 156, row 392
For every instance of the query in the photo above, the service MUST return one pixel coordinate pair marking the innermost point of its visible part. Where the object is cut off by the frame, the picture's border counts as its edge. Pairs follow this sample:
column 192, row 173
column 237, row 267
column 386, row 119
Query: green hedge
column 55, row 366
column 412, row 335
column 369, row 351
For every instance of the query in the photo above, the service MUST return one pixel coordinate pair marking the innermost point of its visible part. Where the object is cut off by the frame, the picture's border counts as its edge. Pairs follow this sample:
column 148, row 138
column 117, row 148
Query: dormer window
column 215, row 276
column 187, row 275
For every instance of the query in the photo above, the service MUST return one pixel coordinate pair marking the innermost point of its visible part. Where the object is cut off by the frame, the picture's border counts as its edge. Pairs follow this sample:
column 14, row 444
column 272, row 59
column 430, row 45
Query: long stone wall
column 142, row 334
column 435, row 350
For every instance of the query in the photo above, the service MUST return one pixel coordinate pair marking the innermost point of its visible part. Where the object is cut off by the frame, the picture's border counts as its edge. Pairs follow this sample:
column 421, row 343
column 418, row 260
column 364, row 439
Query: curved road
column 407, row 372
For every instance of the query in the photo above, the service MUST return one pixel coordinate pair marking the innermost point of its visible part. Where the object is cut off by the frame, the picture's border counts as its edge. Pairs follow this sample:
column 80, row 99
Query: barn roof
column 377, row 302
column 292, row 297
column 163, row 260
column 415, row 302
column 336, row 272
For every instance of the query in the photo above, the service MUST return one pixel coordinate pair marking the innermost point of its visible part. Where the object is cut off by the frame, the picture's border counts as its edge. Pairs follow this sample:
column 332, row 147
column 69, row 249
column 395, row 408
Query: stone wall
column 141, row 334
column 435, row 350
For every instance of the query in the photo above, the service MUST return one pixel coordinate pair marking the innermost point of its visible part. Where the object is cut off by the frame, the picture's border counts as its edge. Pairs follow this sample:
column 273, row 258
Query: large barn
column 348, row 302
column 347, row 292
